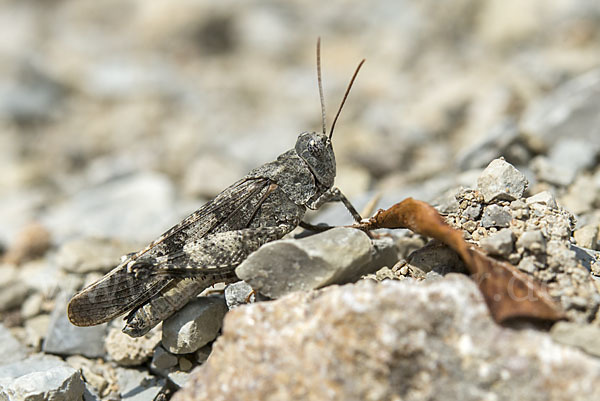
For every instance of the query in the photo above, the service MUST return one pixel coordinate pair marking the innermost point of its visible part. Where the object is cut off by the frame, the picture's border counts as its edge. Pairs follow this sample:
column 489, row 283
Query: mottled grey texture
column 387, row 341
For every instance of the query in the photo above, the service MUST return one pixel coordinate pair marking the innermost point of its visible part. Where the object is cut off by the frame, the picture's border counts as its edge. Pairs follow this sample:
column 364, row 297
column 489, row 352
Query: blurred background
column 117, row 118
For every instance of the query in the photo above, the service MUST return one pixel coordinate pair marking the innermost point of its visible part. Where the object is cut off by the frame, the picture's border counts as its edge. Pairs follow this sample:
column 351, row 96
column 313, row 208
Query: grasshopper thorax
column 316, row 150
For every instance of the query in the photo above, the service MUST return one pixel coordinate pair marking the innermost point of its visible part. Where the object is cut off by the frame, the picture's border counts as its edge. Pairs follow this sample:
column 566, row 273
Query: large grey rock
column 393, row 340
column 63, row 338
column 500, row 180
column 40, row 377
column 11, row 350
column 194, row 326
column 337, row 256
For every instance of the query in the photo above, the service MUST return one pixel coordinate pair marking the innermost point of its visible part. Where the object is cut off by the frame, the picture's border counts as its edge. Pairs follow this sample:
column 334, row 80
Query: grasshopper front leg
column 332, row 195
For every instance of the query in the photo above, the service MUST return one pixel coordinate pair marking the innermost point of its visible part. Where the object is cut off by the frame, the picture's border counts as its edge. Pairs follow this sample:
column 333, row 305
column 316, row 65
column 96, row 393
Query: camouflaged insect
column 207, row 246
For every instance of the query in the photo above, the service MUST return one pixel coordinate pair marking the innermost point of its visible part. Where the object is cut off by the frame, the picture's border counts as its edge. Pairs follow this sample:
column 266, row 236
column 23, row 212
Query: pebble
column 501, row 180
column 238, row 293
column 13, row 291
column 63, row 338
column 472, row 212
column 40, row 377
column 138, row 385
column 185, row 364
column 11, row 350
column 496, row 216
column 84, row 255
column 194, row 326
column 500, row 243
column 32, row 242
column 528, row 264
column 587, row 237
column 130, row 351
column 97, row 375
column 202, row 354
column 36, row 328
column 544, row 198
column 336, row 256
column 532, row 241
column 161, row 359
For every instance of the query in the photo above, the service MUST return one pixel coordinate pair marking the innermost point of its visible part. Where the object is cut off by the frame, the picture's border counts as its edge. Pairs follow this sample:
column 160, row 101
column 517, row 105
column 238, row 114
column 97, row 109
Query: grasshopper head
column 316, row 150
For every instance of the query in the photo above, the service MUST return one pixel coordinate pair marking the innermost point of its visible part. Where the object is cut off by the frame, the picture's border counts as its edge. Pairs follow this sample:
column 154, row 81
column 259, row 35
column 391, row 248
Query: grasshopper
column 207, row 246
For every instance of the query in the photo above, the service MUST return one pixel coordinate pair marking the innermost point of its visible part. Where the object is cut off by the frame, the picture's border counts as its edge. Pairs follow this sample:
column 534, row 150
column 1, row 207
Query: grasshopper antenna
column 345, row 96
column 321, row 86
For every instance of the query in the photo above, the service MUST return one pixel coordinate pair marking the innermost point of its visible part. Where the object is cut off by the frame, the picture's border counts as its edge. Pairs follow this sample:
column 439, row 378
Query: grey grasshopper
column 208, row 245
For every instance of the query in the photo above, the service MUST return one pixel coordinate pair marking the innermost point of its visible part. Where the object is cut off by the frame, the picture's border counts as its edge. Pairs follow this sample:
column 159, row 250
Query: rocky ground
column 119, row 118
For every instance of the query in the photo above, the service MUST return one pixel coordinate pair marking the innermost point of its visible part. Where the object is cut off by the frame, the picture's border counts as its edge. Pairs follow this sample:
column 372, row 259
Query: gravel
column 117, row 122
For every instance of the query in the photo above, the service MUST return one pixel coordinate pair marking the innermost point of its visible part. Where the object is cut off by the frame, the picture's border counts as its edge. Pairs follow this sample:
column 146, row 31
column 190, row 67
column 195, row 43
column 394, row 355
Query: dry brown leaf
column 508, row 292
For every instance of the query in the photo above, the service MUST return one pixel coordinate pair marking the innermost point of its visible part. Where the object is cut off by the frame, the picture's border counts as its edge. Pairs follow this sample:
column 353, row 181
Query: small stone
column 94, row 373
column 587, row 237
column 544, row 198
column 32, row 242
column 185, row 364
column 446, row 203
column 584, row 336
column 194, row 326
column 472, row 212
column 163, row 359
column 63, row 338
column 40, row 377
column 500, row 243
column 13, row 291
column 528, row 264
column 469, row 226
column 11, row 350
column 496, row 216
column 130, row 351
column 84, row 255
column 336, row 256
column 203, row 353
column 178, row 378
column 36, row 328
column 239, row 293
column 501, row 180
column 32, row 305
column 532, row 241
column 138, row 385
